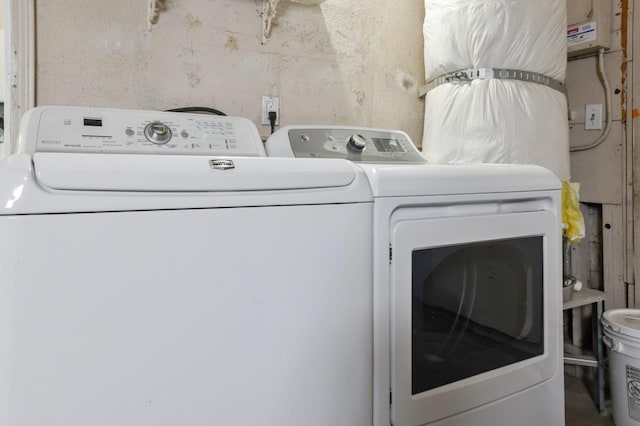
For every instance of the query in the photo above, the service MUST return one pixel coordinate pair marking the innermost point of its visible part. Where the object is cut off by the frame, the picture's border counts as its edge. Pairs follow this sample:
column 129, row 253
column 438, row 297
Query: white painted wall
column 344, row 62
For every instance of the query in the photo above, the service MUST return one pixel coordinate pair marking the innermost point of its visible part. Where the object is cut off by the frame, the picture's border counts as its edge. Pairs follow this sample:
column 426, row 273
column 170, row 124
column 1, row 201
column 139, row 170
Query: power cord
column 272, row 120
column 197, row 109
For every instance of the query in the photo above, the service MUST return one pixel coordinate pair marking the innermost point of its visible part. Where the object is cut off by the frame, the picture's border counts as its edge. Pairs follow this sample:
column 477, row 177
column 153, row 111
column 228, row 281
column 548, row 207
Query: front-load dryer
column 157, row 270
column 467, row 282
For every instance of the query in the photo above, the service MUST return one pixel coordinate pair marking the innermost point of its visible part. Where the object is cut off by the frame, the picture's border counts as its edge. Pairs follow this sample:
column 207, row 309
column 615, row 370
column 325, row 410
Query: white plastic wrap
column 529, row 35
column 496, row 121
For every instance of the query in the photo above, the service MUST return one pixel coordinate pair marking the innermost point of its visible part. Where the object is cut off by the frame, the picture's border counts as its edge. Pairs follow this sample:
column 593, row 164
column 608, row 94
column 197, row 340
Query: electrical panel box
column 589, row 26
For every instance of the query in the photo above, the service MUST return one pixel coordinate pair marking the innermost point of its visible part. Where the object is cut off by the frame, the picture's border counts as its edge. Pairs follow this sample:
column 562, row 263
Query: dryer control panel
column 351, row 143
column 115, row 131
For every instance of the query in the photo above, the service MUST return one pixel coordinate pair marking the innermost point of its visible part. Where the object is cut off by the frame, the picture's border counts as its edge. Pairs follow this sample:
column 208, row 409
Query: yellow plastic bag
column 571, row 215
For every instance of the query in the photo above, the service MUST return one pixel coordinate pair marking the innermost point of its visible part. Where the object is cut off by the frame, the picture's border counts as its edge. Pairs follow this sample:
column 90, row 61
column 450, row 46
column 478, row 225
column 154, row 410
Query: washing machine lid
column 451, row 179
column 164, row 173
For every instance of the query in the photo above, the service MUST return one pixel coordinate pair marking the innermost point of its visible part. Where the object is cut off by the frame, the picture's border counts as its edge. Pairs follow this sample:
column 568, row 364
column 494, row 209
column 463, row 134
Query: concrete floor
column 579, row 407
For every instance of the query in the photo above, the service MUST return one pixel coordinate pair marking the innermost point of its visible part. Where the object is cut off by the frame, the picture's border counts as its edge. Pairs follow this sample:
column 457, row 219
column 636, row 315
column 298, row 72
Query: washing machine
column 467, row 282
column 158, row 270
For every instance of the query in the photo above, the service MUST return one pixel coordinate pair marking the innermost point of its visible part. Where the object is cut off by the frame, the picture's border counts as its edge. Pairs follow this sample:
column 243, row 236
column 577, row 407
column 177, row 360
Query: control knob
column 157, row 133
column 356, row 142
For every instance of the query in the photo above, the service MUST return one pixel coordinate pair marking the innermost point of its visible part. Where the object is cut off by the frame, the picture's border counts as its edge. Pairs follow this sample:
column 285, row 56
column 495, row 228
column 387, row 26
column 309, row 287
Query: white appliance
column 157, row 270
column 467, row 282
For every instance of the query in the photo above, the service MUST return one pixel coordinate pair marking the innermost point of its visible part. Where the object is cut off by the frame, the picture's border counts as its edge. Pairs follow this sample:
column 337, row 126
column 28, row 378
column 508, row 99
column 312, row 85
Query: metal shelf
column 584, row 297
column 595, row 298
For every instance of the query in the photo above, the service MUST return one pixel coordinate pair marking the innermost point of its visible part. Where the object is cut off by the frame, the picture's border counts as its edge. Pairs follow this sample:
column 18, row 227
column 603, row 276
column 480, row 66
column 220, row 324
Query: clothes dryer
column 467, row 282
column 157, row 270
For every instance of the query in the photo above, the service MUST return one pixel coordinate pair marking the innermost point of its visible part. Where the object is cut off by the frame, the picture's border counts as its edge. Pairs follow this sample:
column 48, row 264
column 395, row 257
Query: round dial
column 157, row 133
column 356, row 142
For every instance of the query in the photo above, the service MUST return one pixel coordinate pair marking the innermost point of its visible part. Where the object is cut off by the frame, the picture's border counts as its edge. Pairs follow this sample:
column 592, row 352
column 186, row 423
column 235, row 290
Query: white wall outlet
column 593, row 117
column 270, row 103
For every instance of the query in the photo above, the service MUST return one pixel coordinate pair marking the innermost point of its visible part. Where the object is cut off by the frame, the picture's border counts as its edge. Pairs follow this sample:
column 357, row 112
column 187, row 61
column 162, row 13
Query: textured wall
column 344, row 62
column 602, row 184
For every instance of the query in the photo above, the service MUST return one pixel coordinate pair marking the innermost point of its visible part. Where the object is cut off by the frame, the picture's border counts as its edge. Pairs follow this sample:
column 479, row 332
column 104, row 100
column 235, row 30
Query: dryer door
column 475, row 311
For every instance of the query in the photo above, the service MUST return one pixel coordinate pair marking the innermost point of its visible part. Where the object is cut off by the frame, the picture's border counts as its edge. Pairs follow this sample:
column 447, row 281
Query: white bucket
column 621, row 329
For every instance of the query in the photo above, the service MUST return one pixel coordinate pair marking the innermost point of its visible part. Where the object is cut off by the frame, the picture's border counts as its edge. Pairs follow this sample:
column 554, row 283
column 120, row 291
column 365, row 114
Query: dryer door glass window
column 475, row 308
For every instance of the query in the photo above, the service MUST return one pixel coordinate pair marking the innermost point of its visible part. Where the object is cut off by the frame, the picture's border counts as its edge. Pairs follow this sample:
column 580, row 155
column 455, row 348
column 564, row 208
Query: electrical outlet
column 269, row 104
column 593, row 117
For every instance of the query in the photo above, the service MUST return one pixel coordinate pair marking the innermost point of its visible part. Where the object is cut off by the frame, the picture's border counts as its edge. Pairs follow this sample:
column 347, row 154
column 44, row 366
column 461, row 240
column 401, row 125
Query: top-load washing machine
column 157, row 270
column 467, row 282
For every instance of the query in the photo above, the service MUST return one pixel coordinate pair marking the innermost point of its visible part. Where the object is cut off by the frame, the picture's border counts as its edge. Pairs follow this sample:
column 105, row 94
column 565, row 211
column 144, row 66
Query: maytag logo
column 222, row 164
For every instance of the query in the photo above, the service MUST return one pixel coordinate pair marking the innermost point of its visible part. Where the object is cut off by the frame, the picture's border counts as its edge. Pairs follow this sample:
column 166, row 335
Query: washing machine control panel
column 88, row 130
column 351, row 143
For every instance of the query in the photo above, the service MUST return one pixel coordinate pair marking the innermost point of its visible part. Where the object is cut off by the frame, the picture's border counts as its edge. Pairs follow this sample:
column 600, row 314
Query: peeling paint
column 635, row 113
column 112, row 46
column 231, row 43
column 319, row 60
column 194, row 79
column 193, row 22
column 155, row 8
column 113, row 41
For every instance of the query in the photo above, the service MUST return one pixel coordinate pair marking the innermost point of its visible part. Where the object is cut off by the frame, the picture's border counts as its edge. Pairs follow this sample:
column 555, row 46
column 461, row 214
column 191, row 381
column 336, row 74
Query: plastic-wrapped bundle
column 496, row 121
column 518, row 34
